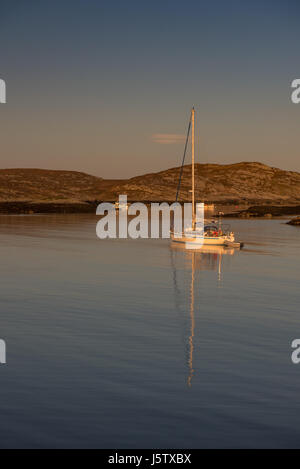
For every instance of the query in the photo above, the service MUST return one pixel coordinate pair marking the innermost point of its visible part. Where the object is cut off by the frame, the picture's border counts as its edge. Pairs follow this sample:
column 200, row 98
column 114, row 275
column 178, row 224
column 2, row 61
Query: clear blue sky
column 91, row 83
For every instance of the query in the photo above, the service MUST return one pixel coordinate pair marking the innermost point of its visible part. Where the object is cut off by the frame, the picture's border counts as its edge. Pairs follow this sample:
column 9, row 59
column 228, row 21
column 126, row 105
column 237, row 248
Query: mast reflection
column 207, row 258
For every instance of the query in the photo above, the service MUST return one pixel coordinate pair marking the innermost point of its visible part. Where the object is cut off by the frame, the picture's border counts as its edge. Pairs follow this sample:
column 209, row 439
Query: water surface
column 132, row 343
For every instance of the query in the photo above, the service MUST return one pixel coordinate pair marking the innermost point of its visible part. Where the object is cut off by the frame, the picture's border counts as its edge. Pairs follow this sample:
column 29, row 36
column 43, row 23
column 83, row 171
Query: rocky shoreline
column 30, row 208
column 294, row 222
column 266, row 211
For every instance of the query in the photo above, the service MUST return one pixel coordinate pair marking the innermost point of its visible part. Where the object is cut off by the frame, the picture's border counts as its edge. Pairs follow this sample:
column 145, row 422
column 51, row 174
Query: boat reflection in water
column 207, row 258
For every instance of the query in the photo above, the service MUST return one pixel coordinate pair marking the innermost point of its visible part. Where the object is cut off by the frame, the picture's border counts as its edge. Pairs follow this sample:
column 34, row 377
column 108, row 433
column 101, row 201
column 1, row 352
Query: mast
column 193, row 169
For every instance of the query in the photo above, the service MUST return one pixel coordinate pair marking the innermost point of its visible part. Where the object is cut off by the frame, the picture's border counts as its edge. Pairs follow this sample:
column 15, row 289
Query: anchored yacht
column 198, row 235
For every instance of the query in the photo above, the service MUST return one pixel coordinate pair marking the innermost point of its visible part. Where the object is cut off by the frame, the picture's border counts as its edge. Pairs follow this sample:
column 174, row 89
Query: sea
column 141, row 344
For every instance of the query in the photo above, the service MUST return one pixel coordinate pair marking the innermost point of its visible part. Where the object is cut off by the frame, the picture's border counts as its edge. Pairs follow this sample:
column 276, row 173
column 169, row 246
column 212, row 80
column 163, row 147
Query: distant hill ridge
column 255, row 182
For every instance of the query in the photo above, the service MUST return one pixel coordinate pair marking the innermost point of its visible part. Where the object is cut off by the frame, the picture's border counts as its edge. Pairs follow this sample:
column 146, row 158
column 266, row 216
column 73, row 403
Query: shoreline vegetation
column 244, row 190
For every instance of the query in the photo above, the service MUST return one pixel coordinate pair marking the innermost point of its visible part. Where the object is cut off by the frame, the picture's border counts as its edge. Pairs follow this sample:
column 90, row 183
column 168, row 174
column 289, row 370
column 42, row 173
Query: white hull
column 201, row 241
column 194, row 242
column 207, row 249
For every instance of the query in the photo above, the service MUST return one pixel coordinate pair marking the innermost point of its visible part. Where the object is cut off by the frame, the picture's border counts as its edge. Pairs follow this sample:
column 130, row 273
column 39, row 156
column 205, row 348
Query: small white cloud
column 168, row 139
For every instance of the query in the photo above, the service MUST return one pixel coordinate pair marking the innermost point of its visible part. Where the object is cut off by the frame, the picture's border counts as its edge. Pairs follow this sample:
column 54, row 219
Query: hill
column 39, row 185
column 253, row 183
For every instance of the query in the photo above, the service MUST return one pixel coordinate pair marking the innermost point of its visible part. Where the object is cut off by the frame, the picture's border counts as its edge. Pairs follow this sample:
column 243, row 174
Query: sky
column 107, row 87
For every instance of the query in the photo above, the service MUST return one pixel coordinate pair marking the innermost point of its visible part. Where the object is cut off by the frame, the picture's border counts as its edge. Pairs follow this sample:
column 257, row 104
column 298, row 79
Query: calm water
column 135, row 344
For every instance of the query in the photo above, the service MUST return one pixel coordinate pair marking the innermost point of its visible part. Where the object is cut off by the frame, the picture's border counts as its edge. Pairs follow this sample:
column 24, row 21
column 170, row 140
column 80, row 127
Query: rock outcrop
column 294, row 222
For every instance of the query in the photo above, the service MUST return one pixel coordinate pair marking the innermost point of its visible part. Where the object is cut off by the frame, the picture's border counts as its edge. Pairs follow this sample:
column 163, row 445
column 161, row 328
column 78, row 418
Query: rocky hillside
column 242, row 182
column 38, row 185
column 253, row 182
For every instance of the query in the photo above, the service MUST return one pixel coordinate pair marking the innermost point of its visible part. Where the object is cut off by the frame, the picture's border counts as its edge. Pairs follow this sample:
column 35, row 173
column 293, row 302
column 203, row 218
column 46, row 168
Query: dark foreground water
column 133, row 344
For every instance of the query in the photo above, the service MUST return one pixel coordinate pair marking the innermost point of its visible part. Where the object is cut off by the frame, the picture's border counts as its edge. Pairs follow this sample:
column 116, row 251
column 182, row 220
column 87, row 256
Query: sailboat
column 196, row 236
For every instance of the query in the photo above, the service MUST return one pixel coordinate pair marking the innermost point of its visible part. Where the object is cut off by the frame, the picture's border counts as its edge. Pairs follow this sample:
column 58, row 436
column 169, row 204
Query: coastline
column 266, row 211
column 230, row 211
column 31, row 208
